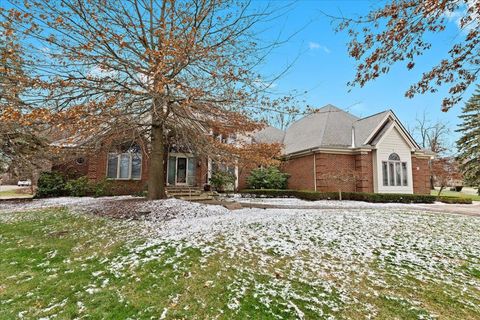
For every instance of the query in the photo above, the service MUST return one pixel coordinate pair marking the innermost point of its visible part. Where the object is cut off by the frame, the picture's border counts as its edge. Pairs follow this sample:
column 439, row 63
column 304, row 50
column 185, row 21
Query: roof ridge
column 375, row 114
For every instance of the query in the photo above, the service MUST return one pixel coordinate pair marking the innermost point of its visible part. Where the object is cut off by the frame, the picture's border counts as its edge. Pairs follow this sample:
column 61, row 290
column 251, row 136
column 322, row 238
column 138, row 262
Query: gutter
column 334, row 150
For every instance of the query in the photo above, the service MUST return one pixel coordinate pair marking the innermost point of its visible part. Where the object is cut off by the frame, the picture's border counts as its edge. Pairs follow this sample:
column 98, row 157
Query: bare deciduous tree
column 432, row 135
column 172, row 69
column 398, row 31
column 446, row 171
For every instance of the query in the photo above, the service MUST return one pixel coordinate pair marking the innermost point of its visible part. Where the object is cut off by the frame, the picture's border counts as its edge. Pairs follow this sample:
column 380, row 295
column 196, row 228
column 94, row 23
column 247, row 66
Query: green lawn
column 14, row 193
column 56, row 263
column 449, row 193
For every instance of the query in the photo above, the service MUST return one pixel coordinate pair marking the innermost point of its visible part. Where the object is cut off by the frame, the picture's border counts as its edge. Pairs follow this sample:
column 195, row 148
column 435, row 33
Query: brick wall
column 300, row 171
column 421, row 175
column 364, row 167
column 243, row 173
column 201, row 171
column 97, row 171
column 302, row 177
column 329, row 165
column 73, row 168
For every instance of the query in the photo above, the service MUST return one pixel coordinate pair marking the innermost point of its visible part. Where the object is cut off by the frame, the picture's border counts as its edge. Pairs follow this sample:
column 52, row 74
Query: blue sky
column 322, row 66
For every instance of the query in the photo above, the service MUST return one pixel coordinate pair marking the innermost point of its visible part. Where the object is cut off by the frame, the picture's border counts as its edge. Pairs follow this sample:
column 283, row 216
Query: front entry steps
column 188, row 193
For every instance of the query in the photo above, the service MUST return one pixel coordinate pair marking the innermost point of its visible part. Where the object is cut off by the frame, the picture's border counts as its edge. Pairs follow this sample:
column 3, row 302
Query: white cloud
column 457, row 15
column 313, row 45
column 317, row 46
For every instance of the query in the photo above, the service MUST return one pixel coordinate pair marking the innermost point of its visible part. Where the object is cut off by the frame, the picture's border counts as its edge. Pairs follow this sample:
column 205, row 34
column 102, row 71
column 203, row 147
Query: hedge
column 356, row 196
column 454, row 200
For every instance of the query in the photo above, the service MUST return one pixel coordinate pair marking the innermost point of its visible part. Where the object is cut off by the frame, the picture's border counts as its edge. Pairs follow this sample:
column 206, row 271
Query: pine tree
column 469, row 143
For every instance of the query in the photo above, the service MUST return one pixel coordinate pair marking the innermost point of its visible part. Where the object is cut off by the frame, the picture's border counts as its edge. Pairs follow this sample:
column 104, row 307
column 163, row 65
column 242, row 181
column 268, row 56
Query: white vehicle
column 24, row 183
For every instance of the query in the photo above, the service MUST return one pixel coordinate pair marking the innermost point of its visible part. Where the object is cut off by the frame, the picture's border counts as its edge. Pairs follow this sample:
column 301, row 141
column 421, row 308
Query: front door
column 181, row 170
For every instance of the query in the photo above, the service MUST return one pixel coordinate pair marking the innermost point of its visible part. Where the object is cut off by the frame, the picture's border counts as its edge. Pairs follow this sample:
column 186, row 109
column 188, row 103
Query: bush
column 78, row 188
column 51, row 184
column 102, row 188
column 356, row 196
column 220, row 180
column 267, row 178
column 455, row 200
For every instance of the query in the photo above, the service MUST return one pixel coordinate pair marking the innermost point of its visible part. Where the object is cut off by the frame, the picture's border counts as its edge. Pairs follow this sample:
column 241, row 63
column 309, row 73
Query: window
column 125, row 164
column 385, row 173
column 394, row 172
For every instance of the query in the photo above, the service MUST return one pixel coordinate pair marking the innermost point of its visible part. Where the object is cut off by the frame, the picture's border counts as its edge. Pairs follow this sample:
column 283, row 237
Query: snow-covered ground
column 324, row 248
column 321, row 203
column 352, row 253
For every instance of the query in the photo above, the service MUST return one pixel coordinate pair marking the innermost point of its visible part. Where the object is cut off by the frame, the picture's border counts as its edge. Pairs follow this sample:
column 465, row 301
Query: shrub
column 267, row 178
column 220, row 180
column 78, row 188
column 140, row 193
column 50, row 184
column 357, row 196
column 102, row 188
column 455, row 200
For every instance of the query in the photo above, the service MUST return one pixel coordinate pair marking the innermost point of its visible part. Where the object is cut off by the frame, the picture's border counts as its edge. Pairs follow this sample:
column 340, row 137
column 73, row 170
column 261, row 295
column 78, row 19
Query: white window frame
column 119, row 156
column 403, row 173
column 189, row 157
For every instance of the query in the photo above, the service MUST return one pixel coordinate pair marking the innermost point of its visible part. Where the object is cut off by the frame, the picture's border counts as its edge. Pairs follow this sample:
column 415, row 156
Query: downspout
column 314, row 172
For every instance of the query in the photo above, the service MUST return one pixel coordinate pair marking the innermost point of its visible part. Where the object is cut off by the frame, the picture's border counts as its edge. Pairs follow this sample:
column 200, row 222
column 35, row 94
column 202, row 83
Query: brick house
column 321, row 150
column 376, row 151
column 124, row 163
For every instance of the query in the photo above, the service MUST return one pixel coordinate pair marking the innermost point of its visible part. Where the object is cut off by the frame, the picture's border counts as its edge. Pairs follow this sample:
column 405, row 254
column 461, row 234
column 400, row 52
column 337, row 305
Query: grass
column 56, row 263
column 448, row 193
column 14, row 194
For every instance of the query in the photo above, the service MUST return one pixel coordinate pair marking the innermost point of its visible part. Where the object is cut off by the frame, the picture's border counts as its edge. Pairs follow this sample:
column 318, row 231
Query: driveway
column 290, row 203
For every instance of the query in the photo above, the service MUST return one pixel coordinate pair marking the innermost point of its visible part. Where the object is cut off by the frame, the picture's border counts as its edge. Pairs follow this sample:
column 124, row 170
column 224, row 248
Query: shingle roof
column 269, row 135
column 329, row 126
column 364, row 127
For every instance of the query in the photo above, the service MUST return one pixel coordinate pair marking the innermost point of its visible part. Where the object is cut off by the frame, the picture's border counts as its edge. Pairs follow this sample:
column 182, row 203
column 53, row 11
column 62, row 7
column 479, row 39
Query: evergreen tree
column 469, row 143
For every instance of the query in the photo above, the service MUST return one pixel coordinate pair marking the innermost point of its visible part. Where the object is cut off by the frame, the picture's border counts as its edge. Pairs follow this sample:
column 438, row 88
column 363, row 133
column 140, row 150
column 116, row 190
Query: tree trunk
column 156, row 170
column 340, row 194
column 440, row 191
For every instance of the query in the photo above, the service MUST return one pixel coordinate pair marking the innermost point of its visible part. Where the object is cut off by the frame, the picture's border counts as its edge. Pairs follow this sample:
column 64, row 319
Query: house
column 333, row 150
column 124, row 163
column 329, row 150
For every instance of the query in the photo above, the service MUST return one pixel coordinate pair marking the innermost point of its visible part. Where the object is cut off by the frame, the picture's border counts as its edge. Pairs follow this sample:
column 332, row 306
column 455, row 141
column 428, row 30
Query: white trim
column 353, row 137
column 118, row 155
column 378, row 127
column 186, row 172
column 299, row 154
column 400, row 131
column 236, row 177
column 189, row 157
column 396, row 122
column 393, row 142
column 209, row 170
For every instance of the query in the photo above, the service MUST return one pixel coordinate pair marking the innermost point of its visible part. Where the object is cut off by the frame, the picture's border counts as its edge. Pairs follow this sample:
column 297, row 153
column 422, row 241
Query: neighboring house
column 376, row 151
column 323, row 149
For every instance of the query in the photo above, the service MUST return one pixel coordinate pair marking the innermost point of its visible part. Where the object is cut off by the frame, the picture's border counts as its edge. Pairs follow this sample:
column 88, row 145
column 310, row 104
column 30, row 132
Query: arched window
column 394, row 171
column 125, row 163
column 394, row 157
